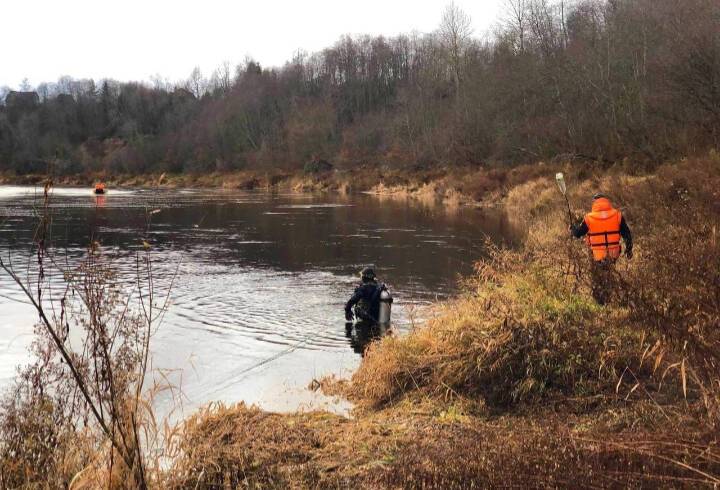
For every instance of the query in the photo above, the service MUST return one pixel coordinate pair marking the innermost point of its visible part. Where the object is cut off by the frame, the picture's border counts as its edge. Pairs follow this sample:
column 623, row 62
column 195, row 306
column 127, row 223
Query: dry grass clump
column 231, row 447
column 240, row 446
column 524, row 331
column 423, row 444
column 544, row 453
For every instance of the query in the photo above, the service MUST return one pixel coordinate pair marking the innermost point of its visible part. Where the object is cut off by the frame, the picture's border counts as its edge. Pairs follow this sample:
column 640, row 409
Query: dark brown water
column 257, row 307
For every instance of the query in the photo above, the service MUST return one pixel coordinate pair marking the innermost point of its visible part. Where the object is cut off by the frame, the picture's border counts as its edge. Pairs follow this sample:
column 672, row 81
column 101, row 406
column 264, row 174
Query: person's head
column 367, row 274
column 600, row 195
column 601, row 202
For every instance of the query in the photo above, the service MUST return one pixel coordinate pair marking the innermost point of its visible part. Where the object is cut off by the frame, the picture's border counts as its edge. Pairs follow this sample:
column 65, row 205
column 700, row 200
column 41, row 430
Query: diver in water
column 369, row 306
column 364, row 305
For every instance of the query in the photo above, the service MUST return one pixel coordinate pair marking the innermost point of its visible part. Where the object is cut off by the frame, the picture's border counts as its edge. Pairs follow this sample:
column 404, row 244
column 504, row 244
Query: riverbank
column 449, row 186
column 522, row 380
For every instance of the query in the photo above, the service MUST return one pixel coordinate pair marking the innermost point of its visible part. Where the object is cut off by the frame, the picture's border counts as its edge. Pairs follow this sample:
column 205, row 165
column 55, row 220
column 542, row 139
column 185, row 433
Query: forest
column 597, row 80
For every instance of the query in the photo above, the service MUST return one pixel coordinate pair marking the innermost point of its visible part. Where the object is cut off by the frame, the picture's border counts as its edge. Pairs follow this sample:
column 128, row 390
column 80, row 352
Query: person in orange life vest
column 602, row 228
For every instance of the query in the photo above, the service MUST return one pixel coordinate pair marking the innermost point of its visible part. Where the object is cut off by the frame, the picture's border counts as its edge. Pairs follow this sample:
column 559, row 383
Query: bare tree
column 4, row 90
column 455, row 32
column 160, row 82
column 25, row 85
column 517, row 20
column 196, row 83
column 221, row 79
column 545, row 26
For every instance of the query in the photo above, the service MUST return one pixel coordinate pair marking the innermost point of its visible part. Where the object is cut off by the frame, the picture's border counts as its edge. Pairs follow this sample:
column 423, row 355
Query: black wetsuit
column 366, row 300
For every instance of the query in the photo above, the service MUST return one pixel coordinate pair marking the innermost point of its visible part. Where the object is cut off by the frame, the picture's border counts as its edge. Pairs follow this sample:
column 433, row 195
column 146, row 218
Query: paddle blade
column 561, row 182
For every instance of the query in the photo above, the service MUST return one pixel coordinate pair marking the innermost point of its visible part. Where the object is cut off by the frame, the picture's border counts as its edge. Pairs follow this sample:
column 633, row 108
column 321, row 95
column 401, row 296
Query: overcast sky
column 137, row 39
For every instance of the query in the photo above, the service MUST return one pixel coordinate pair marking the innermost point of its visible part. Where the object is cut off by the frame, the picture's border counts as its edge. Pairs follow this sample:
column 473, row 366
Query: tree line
column 595, row 79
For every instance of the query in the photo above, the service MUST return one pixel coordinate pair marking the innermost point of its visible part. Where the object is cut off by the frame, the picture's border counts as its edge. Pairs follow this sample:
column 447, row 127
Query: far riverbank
column 477, row 186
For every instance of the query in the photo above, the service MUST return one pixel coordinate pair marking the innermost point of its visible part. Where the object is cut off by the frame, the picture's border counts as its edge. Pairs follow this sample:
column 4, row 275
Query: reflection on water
column 362, row 334
column 257, row 307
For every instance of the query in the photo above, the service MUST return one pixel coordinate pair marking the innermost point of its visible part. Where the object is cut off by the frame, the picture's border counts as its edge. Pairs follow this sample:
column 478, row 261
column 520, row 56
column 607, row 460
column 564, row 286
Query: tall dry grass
column 527, row 326
column 525, row 329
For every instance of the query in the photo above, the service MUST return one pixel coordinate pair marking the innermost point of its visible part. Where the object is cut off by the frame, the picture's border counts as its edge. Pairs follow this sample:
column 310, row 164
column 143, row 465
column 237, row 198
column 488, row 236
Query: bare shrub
column 83, row 397
column 674, row 288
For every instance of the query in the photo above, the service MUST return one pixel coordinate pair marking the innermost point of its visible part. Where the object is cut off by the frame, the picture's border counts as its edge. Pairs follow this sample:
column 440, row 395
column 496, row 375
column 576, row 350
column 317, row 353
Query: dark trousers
column 603, row 280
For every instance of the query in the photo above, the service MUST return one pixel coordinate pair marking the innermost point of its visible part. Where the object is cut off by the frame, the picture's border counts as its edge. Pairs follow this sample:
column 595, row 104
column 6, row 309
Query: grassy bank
column 451, row 186
column 522, row 380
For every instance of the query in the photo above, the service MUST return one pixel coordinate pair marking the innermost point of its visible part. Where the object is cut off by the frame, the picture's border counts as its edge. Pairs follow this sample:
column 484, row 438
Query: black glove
column 572, row 229
column 348, row 315
column 629, row 253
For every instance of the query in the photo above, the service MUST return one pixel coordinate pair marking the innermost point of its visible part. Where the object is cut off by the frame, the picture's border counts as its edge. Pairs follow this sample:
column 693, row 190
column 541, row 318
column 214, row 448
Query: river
column 256, row 309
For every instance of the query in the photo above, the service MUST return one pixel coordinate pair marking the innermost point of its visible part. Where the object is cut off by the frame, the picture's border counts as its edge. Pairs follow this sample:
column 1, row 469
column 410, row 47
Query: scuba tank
column 385, row 306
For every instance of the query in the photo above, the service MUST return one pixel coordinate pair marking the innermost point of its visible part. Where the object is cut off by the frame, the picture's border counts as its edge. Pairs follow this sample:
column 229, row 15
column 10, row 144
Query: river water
column 261, row 278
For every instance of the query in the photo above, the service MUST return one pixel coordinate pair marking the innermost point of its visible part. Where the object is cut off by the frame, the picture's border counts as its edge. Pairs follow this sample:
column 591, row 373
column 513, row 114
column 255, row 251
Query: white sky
column 136, row 39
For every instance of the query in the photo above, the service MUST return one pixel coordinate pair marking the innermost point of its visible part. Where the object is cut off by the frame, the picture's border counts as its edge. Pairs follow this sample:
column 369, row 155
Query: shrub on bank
column 39, row 447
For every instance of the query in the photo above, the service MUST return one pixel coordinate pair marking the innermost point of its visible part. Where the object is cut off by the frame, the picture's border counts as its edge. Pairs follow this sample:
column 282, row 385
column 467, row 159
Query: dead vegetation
column 430, row 443
column 522, row 380
column 456, row 186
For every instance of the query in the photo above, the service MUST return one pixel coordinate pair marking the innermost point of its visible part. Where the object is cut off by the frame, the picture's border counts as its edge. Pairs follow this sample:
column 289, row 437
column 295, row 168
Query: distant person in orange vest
column 602, row 228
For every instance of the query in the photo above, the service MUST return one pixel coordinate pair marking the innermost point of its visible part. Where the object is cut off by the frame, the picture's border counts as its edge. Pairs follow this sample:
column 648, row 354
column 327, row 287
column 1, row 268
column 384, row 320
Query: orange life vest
column 603, row 235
